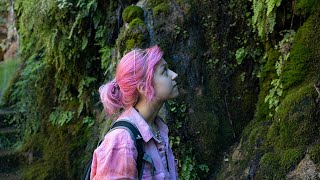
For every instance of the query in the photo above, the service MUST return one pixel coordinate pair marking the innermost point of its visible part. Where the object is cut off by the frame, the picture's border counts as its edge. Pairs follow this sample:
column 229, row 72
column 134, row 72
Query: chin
column 175, row 95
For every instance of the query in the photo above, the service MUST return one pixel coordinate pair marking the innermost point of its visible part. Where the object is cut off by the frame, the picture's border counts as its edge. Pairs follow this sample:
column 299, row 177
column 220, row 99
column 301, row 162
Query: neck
column 148, row 110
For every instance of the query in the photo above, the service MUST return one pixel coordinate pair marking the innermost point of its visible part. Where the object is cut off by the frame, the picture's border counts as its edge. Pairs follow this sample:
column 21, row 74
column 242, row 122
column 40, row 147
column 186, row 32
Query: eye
column 165, row 71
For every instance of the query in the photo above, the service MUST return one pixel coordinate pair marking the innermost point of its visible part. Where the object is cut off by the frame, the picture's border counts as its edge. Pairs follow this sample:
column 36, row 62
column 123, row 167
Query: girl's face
column 164, row 82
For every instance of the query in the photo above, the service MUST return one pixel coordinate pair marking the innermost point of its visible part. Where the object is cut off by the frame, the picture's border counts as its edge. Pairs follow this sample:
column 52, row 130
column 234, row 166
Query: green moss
column 54, row 155
column 132, row 43
column 268, row 73
column 290, row 158
column 275, row 165
column 132, row 12
column 154, row 2
column 136, row 23
column 305, row 6
column 304, row 60
column 136, row 36
column 270, row 167
column 315, row 153
column 7, row 73
column 295, row 115
column 36, row 171
column 161, row 8
column 254, row 134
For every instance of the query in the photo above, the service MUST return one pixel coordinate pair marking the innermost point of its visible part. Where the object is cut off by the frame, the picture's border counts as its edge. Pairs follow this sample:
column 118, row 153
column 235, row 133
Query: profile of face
column 164, row 82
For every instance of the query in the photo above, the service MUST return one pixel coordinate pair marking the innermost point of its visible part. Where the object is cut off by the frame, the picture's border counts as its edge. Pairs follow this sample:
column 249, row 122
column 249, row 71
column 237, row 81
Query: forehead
column 161, row 63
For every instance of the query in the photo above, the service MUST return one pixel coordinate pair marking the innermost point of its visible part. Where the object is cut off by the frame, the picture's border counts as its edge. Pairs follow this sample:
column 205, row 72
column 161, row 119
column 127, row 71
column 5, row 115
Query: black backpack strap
column 137, row 138
column 88, row 171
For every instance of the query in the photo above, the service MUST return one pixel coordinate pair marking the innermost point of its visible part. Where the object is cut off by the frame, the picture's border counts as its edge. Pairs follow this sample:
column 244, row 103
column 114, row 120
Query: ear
column 142, row 88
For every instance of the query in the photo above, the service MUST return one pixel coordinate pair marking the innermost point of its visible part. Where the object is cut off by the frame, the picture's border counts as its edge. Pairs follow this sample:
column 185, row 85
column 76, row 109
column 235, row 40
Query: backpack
column 138, row 141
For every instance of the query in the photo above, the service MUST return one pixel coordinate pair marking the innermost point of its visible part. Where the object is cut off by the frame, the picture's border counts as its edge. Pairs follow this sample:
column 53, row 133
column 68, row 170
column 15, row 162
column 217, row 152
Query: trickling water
column 12, row 39
column 9, row 66
column 148, row 20
column 118, row 11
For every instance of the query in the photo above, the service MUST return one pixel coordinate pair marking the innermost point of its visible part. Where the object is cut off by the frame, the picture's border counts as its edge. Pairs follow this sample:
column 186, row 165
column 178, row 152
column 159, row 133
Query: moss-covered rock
column 54, row 152
column 132, row 12
column 304, row 60
column 154, row 3
column 275, row 165
column 268, row 73
column 161, row 8
column 135, row 36
column 315, row 154
column 137, row 23
column 296, row 119
column 305, row 7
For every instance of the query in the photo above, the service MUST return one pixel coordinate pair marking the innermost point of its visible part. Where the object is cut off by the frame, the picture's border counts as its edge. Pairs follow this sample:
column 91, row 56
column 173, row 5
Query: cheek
column 162, row 88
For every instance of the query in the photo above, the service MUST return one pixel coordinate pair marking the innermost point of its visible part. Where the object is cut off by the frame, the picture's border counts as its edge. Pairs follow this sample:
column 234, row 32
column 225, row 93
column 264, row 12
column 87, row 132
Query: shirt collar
column 133, row 115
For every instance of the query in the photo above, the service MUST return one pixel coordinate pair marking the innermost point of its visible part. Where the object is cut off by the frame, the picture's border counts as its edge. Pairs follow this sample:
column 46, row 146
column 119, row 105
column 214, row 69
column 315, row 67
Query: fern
column 274, row 96
column 264, row 16
column 60, row 117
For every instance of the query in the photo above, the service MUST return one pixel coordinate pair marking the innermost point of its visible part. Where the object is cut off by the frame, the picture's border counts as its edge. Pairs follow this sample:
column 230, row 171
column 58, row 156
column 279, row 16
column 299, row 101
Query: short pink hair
column 135, row 68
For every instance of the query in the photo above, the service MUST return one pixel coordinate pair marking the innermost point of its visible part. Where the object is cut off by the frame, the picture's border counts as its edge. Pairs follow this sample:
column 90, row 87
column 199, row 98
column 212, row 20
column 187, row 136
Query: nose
column 173, row 75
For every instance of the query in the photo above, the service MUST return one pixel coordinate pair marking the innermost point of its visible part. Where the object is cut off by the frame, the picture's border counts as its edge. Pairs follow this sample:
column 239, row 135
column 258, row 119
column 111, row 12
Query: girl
column 142, row 84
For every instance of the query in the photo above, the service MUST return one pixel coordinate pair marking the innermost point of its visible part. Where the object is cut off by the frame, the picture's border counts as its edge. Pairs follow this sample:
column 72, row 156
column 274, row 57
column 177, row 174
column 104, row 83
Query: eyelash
column 165, row 70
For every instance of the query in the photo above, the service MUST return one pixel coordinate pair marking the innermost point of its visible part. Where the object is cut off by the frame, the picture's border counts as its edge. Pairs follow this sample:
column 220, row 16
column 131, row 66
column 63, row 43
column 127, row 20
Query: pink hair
column 135, row 68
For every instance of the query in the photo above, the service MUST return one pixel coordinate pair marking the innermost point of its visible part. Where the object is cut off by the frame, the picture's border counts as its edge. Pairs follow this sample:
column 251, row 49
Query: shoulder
column 117, row 140
column 118, row 136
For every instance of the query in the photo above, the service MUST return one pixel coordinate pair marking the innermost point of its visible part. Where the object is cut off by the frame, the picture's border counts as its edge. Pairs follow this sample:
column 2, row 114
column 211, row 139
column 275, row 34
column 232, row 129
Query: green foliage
column 135, row 36
column 132, row 12
column 189, row 166
column 273, row 98
column 240, row 55
column 53, row 149
column 275, row 93
column 161, row 8
column 59, row 117
column 136, row 23
column 315, row 153
column 304, row 56
column 212, row 63
column 264, row 16
column 154, row 2
column 275, row 165
column 178, row 31
column 295, row 115
column 24, row 96
column 106, row 53
column 65, row 58
column 84, row 93
column 305, row 7
column 4, row 5
column 7, row 71
column 89, row 121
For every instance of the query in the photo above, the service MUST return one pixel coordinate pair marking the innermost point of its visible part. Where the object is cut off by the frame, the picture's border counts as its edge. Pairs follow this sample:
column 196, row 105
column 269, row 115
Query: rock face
column 306, row 169
column 9, row 38
column 3, row 37
column 248, row 74
column 12, row 51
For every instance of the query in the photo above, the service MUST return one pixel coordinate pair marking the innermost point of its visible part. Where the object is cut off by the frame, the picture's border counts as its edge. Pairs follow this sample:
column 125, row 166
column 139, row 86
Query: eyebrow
column 164, row 64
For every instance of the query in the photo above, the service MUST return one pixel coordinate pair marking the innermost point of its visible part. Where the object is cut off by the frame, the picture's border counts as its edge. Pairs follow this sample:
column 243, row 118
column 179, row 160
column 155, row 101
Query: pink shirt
column 116, row 157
